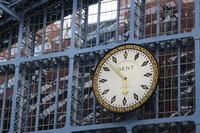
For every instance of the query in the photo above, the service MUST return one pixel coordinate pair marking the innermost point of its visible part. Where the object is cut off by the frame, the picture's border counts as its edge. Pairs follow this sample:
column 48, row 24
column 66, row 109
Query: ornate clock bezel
column 151, row 91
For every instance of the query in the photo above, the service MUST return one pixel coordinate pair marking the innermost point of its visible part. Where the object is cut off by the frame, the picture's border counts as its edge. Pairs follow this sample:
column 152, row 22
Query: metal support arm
column 9, row 11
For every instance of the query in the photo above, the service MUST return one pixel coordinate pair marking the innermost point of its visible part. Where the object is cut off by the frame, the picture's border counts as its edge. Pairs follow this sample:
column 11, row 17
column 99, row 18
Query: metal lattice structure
column 49, row 50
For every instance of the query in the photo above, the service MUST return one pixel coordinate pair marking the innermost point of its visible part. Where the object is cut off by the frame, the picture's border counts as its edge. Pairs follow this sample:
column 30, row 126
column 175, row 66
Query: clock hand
column 117, row 71
column 125, row 91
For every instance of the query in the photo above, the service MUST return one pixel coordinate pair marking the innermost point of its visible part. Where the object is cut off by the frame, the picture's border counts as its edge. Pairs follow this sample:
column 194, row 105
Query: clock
column 125, row 78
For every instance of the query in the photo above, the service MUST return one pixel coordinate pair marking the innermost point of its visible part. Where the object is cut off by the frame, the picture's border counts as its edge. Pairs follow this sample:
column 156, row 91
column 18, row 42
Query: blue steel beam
column 35, row 5
column 128, row 124
column 12, row 4
column 22, row 13
column 132, row 17
column 70, row 53
column 9, row 11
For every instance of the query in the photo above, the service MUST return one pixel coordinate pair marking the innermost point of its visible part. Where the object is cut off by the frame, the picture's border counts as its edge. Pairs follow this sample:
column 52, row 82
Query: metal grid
column 174, row 97
column 187, row 16
column 173, row 89
column 41, row 85
column 169, row 14
column 7, row 82
column 85, row 109
column 41, row 99
column 168, row 87
column 8, row 39
column 96, row 24
column 187, row 127
column 187, row 82
column 158, row 18
column 47, row 30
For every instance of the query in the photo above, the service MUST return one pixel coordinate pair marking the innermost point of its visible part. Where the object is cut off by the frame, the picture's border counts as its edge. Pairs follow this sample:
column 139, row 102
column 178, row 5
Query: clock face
column 125, row 78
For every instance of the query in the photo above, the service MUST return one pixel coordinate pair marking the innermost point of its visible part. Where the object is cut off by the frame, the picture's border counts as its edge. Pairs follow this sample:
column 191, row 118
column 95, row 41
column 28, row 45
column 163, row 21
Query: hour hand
column 125, row 91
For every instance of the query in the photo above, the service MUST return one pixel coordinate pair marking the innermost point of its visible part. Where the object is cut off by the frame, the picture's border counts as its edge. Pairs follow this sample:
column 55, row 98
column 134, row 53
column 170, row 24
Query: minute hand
column 118, row 72
column 125, row 91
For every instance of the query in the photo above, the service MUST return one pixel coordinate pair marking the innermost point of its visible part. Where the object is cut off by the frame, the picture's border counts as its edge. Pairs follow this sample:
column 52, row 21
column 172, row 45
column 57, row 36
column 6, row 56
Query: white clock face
column 125, row 78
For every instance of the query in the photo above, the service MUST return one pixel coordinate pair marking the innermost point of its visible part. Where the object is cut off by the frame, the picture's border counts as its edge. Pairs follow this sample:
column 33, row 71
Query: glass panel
column 8, row 41
column 187, row 15
column 160, row 18
column 96, row 24
column 6, row 92
column 85, row 109
column 47, row 30
column 172, row 127
column 168, row 86
column 44, row 88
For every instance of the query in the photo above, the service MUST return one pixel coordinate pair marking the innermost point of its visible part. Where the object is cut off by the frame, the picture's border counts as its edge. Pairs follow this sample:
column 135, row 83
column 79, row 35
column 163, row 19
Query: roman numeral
column 135, row 96
column 136, row 56
column 114, row 59
column 124, row 101
column 125, row 55
column 144, row 87
column 106, row 69
column 105, row 92
column 102, row 80
column 113, row 99
column 147, row 74
column 145, row 63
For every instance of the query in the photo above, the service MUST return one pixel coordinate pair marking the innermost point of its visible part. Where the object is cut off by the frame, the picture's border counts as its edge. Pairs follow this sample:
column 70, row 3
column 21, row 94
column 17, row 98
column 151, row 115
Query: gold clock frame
column 153, row 60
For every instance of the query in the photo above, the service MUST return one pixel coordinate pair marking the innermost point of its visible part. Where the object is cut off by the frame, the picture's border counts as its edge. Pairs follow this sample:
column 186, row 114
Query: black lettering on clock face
column 102, row 80
column 145, row 63
column 114, row 59
column 124, row 101
column 113, row 99
column 125, row 55
column 105, row 91
column 125, row 68
column 136, row 56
